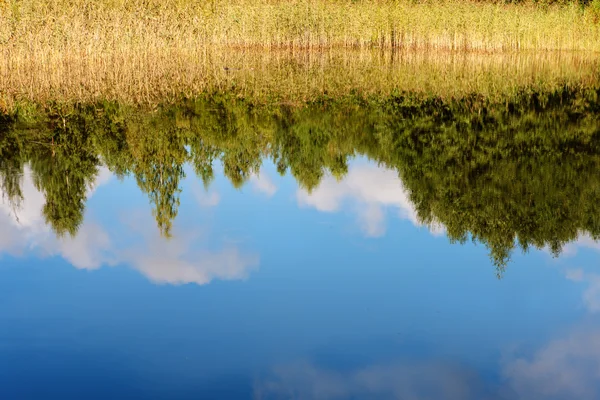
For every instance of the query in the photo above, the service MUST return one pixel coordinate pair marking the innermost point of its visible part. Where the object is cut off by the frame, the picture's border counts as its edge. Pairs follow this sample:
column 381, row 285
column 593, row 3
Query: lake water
column 335, row 252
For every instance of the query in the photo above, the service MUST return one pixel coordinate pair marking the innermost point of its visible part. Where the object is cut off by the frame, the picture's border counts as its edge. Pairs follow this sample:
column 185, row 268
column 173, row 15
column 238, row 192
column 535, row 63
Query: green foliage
column 64, row 167
column 11, row 163
column 517, row 172
column 158, row 168
column 524, row 173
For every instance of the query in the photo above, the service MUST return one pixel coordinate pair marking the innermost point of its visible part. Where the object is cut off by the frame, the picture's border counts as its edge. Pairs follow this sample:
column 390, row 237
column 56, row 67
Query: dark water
column 398, row 248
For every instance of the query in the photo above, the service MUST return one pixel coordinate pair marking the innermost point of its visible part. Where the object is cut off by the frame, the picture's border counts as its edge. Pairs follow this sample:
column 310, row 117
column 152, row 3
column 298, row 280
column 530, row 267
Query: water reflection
column 370, row 190
column 516, row 171
column 395, row 380
column 261, row 195
column 564, row 368
column 131, row 240
column 321, row 316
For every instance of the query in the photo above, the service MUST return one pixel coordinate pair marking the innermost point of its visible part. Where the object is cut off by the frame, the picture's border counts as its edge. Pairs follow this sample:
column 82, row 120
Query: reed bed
column 156, row 50
column 134, row 25
column 282, row 76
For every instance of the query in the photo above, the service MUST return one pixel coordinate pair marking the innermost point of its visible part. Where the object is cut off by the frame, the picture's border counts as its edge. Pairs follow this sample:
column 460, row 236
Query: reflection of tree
column 110, row 139
column 306, row 142
column 519, row 171
column 524, row 176
column 158, row 168
column 63, row 170
column 229, row 129
column 11, row 162
column 203, row 158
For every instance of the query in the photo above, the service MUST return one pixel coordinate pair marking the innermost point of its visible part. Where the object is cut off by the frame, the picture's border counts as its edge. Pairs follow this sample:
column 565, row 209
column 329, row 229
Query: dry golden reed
column 151, row 50
column 124, row 25
column 285, row 76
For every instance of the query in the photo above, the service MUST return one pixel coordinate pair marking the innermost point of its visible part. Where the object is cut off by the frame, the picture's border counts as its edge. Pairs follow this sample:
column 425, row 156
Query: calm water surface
column 270, row 292
column 349, row 290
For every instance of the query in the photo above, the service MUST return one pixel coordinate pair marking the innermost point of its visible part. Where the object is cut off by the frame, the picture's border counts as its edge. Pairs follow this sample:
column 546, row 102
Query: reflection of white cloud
column 204, row 198
column 175, row 266
column 179, row 260
column 262, row 183
column 28, row 217
column 372, row 220
column 567, row 368
column 24, row 229
column 575, row 275
column 416, row 380
column 90, row 249
column 591, row 295
column 584, row 241
column 171, row 261
column 371, row 189
column 208, row 199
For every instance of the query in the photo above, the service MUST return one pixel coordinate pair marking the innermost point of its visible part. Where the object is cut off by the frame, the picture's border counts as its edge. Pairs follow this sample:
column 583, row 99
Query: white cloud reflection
column 208, row 199
column 205, row 198
column 370, row 190
column 263, row 183
column 418, row 380
column 591, row 294
column 182, row 259
column 136, row 243
column 584, row 241
column 566, row 368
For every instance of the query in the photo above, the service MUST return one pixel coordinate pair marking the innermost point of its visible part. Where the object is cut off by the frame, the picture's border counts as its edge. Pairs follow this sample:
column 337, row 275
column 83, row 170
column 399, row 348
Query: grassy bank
column 283, row 76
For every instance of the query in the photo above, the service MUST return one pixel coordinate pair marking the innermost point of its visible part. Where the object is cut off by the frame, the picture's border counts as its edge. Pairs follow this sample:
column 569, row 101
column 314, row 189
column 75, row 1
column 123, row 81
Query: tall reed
column 82, row 26
column 153, row 50
column 283, row 76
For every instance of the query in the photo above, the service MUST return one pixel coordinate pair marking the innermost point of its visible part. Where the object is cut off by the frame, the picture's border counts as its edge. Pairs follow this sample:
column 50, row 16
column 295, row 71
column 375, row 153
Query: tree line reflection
column 518, row 172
